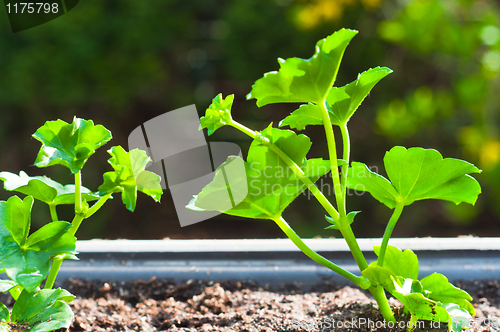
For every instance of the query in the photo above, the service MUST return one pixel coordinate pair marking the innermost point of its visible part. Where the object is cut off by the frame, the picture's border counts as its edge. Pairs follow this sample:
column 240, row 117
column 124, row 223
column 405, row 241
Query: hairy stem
column 293, row 166
column 54, row 270
column 314, row 255
column 53, row 212
column 388, row 232
column 97, row 205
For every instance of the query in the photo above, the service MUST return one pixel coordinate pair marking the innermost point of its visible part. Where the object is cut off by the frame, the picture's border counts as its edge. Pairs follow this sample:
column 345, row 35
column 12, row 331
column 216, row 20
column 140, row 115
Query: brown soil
column 160, row 305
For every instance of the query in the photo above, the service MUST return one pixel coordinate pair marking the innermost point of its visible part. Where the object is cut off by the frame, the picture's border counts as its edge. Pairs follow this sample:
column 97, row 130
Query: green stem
column 54, row 270
column 97, row 205
column 332, row 152
column 293, row 166
column 78, row 192
column 15, row 292
column 53, row 212
column 77, row 220
column 413, row 324
column 346, row 151
column 388, row 232
column 314, row 255
column 385, row 309
column 343, row 224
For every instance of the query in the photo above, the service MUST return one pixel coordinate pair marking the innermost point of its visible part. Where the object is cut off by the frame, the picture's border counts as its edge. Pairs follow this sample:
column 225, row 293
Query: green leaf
column 43, row 311
column 44, row 189
column 417, row 174
column 26, row 260
column 129, row 177
column 400, row 263
column 4, row 316
column 218, row 114
column 350, row 218
column 362, row 179
column 459, row 318
column 304, row 80
column 305, row 115
column 443, row 291
column 69, row 144
column 270, row 185
column 6, row 285
column 420, row 307
column 342, row 102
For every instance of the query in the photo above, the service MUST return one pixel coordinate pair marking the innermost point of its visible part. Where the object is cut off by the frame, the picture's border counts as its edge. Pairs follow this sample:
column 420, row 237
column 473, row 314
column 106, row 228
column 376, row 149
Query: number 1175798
column 32, row 7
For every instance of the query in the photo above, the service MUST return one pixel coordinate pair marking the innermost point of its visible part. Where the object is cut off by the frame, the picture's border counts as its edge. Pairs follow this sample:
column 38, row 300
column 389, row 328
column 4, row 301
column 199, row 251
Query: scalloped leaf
column 417, row 174
column 270, row 185
column 218, row 114
column 26, row 260
column 43, row 311
column 69, row 145
column 342, row 102
column 130, row 176
column 44, row 189
column 304, row 80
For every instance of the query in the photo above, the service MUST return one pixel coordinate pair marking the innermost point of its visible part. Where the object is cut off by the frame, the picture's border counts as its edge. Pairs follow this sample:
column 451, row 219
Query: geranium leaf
column 69, row 144
column 218, row 114
column 4, row 317
column 417, row 174
column 342, row 102
column 43, row 311
column 400, row 263
column 459, row 318
column 304, row 80
column 129, row 176
column 44, row 189
column 362, row 179
column 443, row 291
column 270, row 185
column 26, row 260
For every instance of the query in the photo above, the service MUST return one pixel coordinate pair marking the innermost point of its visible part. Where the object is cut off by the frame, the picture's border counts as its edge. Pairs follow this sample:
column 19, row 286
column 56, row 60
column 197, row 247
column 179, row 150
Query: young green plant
column 413, row 174
column 27, row 259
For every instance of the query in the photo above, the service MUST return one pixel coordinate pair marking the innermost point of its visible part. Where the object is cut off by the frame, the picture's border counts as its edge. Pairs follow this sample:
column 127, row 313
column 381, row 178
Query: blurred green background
column 123, row 62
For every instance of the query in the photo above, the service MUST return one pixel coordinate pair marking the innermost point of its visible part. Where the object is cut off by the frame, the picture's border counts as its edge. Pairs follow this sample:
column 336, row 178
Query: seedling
column 28, row 260
column 412, row 174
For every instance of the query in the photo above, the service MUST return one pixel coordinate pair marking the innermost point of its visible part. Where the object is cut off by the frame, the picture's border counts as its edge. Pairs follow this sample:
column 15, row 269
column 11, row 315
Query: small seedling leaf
column 218, row 114
column 69, row 144
column 443, row 291
column 304, row 80
column 129, row 177
column 400, row 263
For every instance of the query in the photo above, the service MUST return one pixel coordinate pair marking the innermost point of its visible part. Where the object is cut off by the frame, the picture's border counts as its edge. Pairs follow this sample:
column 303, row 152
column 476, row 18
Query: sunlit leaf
column 130, row 176
column 44, row 188
column 43, row 311
column 69, row 144
column 26, row 260
column 342, row 102
column 270, row 184
column 218, row 114
column 304, row 80
column 417, row 174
